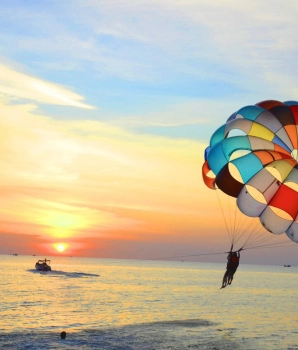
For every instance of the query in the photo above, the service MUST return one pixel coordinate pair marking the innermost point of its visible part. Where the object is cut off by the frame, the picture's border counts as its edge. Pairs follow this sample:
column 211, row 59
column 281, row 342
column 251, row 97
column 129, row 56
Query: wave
column 150, row 336
column 197, row 322
column 57, row 273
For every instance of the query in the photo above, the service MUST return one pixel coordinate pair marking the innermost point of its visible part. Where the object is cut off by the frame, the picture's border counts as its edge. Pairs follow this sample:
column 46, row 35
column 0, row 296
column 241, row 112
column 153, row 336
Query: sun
column 60, row 247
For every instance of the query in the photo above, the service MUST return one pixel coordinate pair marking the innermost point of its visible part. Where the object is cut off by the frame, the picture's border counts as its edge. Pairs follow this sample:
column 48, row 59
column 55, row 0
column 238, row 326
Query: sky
column 106, row 108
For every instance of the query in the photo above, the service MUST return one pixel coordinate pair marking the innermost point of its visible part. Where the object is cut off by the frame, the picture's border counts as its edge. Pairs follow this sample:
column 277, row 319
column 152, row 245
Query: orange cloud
column 66, row 179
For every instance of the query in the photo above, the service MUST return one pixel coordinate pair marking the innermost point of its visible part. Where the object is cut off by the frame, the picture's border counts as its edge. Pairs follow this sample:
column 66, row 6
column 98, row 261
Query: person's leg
column 231, row 276
column 225, row 280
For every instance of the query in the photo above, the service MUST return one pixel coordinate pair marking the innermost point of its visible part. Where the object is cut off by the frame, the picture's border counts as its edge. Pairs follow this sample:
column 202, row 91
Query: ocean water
column 146, row 305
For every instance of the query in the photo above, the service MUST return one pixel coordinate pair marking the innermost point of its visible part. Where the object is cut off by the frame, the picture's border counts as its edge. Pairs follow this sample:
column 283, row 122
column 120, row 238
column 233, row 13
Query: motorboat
column 287, row 265
column 43, row 265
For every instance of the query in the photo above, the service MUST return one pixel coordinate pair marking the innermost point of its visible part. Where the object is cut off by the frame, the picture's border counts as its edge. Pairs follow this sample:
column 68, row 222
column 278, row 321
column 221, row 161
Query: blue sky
column 153, row 74
column 138, row 59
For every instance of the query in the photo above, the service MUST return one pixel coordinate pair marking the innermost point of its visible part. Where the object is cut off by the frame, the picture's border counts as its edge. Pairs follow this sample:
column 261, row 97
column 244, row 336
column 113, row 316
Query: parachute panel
column 227, row 183
column 280, row 168
column 285, row 199
column 250, row 112
column 268, row 104
column 238, row 124
column 209, row 180
column 267, row 119
column 274, row 223
column 260, row 144
column 291, row 130
column 248, row 203
column 292, row 231
column 284, row 136
column 259, row 130
column 292, row 180
column 253, row 157
column 245, row 171
column 294, row 110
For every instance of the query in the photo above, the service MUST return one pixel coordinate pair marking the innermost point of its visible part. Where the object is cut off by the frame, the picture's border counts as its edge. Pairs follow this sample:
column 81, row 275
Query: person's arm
column 239, row 252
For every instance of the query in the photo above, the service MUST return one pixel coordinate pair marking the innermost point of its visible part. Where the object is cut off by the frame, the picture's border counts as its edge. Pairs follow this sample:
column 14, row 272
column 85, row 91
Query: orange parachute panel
column 292, row 132
column 278, row 148
column 209, row 181
column 268, row 104
column 267, row 157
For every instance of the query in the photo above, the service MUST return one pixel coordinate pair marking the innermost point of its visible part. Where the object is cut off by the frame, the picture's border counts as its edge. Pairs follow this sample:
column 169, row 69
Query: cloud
column 15, row 85
column 158, row 41
column 70, row 178
column 219, row 40
column 195, row 111
column 151, row 66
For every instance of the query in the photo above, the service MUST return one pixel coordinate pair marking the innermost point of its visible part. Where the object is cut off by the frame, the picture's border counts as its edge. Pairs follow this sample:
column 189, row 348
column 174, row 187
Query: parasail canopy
column 253, row 157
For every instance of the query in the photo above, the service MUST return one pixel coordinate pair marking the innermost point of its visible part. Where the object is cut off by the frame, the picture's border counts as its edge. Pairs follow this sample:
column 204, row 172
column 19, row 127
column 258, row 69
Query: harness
column 234, row 261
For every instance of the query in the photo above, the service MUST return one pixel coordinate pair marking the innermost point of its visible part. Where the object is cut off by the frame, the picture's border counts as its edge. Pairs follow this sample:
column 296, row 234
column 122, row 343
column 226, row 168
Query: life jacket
column 234, row 261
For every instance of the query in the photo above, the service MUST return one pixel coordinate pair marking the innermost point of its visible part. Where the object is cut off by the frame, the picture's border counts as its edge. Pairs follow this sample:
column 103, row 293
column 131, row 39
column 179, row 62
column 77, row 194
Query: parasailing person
column 232, row 266
column 253, row 159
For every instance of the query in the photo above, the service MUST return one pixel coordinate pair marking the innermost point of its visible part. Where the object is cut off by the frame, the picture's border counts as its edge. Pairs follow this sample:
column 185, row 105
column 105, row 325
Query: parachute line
column 272, row 245
column 222, row 211
column 187, row 256
column 254, row 157
column 242, row 229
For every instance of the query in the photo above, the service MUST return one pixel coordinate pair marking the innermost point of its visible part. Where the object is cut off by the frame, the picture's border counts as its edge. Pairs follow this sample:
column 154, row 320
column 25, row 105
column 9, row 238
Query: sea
column 146, row 305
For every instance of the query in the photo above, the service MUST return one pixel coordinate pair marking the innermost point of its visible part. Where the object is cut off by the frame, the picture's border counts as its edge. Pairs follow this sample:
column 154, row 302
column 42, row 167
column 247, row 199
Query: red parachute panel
column 286, row 199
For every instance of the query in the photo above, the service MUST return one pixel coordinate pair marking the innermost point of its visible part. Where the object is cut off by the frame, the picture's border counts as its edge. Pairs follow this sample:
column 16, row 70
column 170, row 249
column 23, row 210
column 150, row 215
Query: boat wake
column 56, row 273
column 193, row 334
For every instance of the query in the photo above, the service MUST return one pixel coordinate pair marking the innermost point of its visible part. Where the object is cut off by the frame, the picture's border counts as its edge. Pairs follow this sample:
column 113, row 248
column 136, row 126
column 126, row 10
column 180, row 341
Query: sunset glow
column 60, row 247
column 106, row 109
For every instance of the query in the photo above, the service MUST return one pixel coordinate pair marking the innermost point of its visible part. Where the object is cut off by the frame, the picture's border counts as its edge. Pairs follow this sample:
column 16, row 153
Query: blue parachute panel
column 218, row 136
column 248, row 166
column 251, row 112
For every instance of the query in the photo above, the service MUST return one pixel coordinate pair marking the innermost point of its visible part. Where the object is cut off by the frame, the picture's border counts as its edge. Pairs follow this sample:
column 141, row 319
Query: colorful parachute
column 253, row 157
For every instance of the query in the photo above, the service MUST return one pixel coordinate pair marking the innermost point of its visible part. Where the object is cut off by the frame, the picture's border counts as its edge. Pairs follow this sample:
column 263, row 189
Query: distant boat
column 15, row 254
column 287, row 265
column 43, row 265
